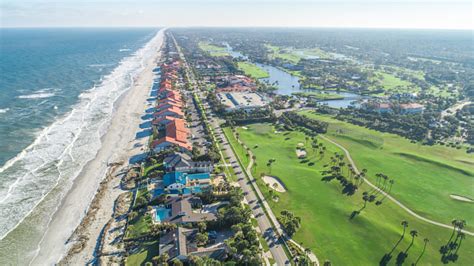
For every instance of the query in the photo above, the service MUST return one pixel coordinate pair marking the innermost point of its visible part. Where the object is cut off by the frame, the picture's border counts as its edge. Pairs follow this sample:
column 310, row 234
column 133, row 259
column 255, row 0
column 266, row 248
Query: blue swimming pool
column 161, row 214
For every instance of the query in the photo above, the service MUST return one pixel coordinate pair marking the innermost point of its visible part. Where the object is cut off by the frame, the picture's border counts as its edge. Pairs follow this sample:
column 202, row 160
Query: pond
column 287, row 84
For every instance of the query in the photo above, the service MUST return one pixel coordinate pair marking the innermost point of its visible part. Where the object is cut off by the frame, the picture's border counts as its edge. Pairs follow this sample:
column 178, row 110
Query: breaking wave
column 60, row 151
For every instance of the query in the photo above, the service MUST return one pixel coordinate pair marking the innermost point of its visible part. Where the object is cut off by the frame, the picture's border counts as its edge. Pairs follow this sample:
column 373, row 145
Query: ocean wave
column 60, row 151
column 99, row 65
column 39, row 95
column 2, row 111
column 124, row 50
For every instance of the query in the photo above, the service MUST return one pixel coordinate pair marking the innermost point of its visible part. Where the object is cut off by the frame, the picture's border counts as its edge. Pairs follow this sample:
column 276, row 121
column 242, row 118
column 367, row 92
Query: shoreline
column 118, row 145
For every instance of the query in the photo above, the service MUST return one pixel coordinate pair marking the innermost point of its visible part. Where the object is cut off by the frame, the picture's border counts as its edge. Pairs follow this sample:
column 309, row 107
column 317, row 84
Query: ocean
column 57, row 90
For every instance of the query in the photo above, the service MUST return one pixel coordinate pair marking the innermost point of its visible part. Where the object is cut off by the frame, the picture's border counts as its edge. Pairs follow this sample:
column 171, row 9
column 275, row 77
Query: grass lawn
column 214, row 50
column 319, row 95
column 146, row 252
column 425, row 176
column 295, row 55
column 139, row 226
column 252, row 70
column 390, row 82
column 150, row 168
column 325, row 211
column 239, row 149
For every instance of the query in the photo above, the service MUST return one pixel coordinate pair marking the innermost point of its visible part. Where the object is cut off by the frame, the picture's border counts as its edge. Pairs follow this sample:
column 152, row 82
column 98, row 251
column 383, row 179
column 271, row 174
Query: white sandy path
column 461, row 198
column 271, row 181
column 117, row 143
column 408, row 210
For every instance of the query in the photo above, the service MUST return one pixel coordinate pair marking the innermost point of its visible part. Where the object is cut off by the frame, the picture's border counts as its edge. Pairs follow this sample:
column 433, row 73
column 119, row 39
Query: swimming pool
column 161, row 214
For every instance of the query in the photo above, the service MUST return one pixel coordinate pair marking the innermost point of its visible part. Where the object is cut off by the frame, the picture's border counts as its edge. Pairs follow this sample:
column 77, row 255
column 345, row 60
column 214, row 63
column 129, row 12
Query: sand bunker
column 300, row 153
column 274, row 183
column 461, row 198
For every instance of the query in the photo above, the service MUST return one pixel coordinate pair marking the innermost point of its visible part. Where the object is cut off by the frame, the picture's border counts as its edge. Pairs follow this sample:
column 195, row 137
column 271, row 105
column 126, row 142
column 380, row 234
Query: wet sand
column 119, row 144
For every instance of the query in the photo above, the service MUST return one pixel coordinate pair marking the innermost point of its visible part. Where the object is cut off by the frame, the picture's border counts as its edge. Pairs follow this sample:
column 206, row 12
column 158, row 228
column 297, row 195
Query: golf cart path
column 412, row 213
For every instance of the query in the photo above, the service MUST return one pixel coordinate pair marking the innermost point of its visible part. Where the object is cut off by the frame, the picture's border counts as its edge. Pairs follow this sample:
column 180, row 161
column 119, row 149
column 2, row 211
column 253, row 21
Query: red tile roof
column 411, row 106
column 172, row 109
column 184, row 145
column 168, row 104
column 176, row 133
column 158, row 120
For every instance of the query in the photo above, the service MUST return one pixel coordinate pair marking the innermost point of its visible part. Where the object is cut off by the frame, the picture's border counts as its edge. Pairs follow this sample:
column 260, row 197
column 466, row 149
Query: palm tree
column 413, row 233
column 391, row 184
column 461, row 236
column 455, row 223
column 405, row 225
column 385, row 178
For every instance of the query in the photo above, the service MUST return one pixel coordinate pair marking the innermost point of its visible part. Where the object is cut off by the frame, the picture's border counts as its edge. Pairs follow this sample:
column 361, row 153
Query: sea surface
column 57, row 90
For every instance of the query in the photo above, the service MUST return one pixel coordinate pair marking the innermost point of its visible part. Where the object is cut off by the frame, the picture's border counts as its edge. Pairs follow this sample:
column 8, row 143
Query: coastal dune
column 118, row 145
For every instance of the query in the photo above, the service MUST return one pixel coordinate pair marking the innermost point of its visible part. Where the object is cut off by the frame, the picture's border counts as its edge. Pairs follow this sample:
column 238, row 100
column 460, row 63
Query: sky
column 434, row 14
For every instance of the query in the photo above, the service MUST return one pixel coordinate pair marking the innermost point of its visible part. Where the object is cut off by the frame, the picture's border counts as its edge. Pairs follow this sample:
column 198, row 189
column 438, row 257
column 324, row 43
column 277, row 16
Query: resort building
column 182, row 210
column 182, row 162
column 162, row 121
column 181, row 243
column 172, row 111
column 168, row 104
column 175, row 135
column 247, row 101
column 184, row 183
column 383, row 108
column 411, row 108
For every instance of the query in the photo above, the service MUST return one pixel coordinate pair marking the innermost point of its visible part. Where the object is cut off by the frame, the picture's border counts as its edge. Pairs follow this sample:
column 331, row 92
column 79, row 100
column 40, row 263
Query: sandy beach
column 119, row 144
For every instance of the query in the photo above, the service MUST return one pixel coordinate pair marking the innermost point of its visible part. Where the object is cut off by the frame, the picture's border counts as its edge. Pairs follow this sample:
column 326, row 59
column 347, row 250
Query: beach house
column 185, row 183
column 180, row 243
column 175, row 135
column 182, row 162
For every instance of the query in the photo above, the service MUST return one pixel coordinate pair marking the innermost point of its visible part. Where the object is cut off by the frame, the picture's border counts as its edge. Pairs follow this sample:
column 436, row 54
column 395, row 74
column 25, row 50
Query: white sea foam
column 124, row 50
column 36, row 96
column 60, row 151
column 2, row 111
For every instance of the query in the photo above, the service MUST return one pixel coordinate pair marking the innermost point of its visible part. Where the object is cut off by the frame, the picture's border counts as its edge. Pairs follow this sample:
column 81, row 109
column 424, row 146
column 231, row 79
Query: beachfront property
column 184, row 209
column 175, row 134
column 162, row 121
column 168, row 104
column 181, row 243
column 247, row 101
column 184, row 183
column 172, row 111
column 182, row 162
column 169, row 126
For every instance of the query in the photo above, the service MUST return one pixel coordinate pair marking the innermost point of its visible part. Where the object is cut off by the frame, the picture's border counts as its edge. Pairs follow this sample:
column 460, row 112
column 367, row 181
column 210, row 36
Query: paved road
column 452, row 110
column 412, row 213
column 264, row 224
column 272, row 217
column 275, row 244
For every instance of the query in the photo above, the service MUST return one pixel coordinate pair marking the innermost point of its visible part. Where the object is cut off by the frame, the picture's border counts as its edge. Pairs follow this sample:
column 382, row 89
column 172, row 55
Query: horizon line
column 223, row 27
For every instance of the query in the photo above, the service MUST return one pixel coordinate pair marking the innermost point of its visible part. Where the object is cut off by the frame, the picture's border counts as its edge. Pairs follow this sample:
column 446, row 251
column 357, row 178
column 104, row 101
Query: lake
column 287, row 83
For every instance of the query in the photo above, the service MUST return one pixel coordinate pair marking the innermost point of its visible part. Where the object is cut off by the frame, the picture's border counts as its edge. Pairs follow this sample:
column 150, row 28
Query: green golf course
column 327, row 228
column 425, row 176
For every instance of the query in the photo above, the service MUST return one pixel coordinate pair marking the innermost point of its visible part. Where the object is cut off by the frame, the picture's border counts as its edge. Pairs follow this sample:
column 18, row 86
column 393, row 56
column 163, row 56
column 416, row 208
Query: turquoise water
column 161, row 214
column 43, row 71
column 58, row 88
